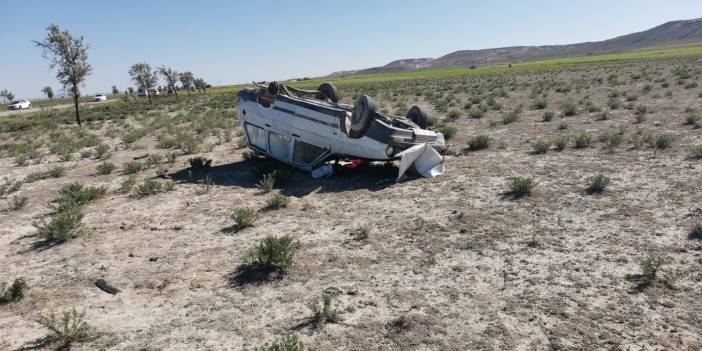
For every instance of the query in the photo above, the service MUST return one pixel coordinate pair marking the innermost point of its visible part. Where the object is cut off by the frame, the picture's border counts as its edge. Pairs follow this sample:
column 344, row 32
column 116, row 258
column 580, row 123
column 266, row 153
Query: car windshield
column 16, row 102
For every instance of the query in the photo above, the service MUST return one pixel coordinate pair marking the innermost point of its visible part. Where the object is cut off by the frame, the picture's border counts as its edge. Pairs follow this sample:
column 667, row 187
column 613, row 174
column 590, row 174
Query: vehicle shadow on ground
column 247, row 174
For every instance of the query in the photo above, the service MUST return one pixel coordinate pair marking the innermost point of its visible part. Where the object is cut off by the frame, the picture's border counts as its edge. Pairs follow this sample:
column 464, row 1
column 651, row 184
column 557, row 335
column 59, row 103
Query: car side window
column 279, row 145
column 256, row 135
column 305, row 153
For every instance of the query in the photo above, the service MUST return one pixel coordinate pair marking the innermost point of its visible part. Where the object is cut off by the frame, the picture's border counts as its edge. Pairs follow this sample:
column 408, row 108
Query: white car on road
column 99, row 97
column 305, row 128
column 19, row 105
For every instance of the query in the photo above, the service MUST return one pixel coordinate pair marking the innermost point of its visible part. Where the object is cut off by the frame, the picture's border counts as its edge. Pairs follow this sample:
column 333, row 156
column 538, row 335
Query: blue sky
column 228, row 42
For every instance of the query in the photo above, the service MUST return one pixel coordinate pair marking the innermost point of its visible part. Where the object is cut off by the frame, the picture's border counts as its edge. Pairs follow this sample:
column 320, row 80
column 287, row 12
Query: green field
column 550, row 64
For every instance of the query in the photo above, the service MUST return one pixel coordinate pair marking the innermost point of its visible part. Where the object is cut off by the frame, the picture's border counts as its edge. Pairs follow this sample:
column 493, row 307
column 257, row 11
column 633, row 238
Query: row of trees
column 69, row 56
column 147, row 78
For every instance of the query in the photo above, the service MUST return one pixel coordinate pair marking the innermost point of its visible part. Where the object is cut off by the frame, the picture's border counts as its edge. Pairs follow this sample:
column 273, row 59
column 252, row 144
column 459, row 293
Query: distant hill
column 670, row 33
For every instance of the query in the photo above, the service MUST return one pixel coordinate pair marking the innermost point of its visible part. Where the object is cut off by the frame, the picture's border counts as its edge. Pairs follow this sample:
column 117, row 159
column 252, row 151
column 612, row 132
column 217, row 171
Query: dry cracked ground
column 450, row 263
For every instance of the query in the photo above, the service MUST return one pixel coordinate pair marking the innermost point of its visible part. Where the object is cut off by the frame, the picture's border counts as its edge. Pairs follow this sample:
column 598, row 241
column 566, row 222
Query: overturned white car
column 306, row 128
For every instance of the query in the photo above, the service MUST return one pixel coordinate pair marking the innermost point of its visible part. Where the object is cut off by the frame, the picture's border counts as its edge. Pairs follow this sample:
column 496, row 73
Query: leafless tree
column 144, row 77
column 48, row 92
column 115, row 91
column 69, row 55
column 187, row 80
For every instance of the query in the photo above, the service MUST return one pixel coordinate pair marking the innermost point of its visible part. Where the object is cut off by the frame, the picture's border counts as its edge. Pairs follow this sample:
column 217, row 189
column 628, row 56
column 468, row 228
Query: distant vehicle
column 142, row 92
column 306, row 128
column 154, row 92
column 100, row 97
column 19, row 105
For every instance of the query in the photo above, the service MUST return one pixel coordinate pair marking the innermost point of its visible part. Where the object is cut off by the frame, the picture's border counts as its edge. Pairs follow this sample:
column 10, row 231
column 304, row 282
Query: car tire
column 361, row 117
column 328, row 91
column 273, row 88
column 419, row 117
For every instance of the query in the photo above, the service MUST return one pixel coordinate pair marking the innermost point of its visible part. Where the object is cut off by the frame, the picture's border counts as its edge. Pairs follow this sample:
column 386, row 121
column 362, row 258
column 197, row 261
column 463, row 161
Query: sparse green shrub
column 696, row 152
column 288, row 342
column 569, row 109
column 69, row 329
column 267, row 183
column 9, row 187
column 153, row 187
column 360, row 232
column 54, row 172
column 692, row 120
column 271, row 254
column 102, row 151
column 14, row 292
column 548, row 116
column 448, row 131
column 76, row 195
column 105, row 168
column 614, row 103
column 277, row 201
column 520, row 187
column 561, row 143
column 563, row 126
column 541, row 146
column 323, row 310
column 662, row 141
column 65, row 225
column 18, row 203
column 540, row 103
column 454, row 115
column 583, row 141
column 127, row 185
column 641, row 112
column 613, row 141
column 476, row 113
column 244, row 217
column 597, row 183
column 132, row 167
column 650, row 267
column 510, row 117
column 153, row 160
column 479, row 142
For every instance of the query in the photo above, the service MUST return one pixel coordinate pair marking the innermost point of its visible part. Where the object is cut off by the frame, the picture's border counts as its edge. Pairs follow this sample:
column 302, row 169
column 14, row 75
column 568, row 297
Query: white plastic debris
column 421, row 159
column 323, row 171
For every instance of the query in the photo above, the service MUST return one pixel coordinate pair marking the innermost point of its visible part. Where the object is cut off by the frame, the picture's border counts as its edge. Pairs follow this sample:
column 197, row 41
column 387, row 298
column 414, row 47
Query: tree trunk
column 75, row 104
column 175, row 91
column 148, row 95
column 188, row 90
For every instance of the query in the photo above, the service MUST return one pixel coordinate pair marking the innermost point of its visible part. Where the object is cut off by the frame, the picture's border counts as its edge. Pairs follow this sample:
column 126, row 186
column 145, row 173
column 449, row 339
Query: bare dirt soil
column 451, row 263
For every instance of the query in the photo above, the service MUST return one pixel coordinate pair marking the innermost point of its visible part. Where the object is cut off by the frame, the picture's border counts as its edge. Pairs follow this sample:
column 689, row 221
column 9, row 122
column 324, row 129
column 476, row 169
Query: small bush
column 267, row 183
column 127, row 185
column 13, row 293
column 54, row 172
column 153, row 160
column 18, row 203
column 510, row 117
column 10, row 187
column 479, row 142
column 102, row 151
column 563, row 126
column 476, row 113
column 561, row 143
column 70, row 328
column 614, row 104
column 548, row 116
column 448, row 131
column 650, row 268
column 271, row 254
column 288, row 342
column 360, row 232
column 692, row 120
column 641, row 112
column 244, row 217
column 662, row 141
column 696, row 232
column 597, row 183
column 454, row 115
column 569, row 109
column 277, row 201
column 105, row 168
column 132, row 167
column 583, row 141
column 541, row 146
column 696, row 152
column 520, row 187
column 540, row 103
column 613, row 141
column 153, row 187
column 323, row 311
column 62, row 227
column 76, row 195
